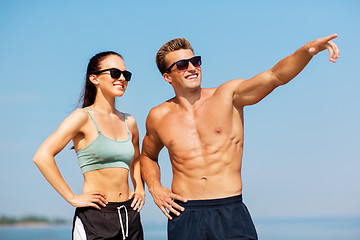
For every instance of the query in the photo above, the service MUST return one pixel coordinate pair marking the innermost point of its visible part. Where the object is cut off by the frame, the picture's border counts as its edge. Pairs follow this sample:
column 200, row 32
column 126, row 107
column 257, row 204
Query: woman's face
column 106, row 84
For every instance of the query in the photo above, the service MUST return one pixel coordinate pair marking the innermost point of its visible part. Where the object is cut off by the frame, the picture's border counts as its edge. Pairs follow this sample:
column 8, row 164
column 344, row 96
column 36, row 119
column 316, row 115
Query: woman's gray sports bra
column 104, row 152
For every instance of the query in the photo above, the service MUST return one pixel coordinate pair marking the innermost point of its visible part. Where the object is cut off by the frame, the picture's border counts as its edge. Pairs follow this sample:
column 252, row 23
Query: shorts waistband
column 112, row 206
column 211, row 202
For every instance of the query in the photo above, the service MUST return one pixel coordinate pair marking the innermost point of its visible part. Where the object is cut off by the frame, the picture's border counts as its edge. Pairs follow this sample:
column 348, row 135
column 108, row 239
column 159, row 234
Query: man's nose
column 191, row 66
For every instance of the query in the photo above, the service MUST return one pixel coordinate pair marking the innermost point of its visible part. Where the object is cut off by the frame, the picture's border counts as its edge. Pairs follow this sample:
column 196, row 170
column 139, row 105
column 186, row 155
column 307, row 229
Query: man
column 204, row 134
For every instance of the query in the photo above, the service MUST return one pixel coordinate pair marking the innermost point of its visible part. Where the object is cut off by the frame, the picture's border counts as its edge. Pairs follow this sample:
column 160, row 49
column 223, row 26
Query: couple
column 201, row 128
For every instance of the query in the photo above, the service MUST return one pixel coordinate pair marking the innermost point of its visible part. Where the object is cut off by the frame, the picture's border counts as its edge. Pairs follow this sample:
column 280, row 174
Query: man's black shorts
column 215, row 219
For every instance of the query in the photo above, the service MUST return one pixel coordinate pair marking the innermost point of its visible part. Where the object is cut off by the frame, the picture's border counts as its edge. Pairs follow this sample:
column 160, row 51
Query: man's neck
column 190, row 98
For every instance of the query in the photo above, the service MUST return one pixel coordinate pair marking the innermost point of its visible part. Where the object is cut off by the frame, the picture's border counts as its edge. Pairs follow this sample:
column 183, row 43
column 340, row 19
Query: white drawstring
column 127, row 222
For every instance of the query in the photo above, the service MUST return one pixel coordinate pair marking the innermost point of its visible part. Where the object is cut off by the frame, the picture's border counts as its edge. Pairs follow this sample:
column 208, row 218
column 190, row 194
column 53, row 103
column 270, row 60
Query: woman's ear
column 94, row 79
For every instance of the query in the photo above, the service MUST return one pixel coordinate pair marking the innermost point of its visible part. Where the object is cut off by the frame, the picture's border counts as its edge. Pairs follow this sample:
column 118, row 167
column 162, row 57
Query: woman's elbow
column 39, row 158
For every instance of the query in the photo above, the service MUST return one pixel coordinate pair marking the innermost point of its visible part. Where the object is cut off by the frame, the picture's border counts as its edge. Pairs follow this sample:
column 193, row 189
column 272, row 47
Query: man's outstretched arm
column 248, row 92
column 150, row 170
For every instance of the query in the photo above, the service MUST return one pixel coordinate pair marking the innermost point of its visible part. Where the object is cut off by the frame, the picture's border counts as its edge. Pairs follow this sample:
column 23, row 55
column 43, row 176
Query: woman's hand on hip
column 139, row 200
column 89, row 199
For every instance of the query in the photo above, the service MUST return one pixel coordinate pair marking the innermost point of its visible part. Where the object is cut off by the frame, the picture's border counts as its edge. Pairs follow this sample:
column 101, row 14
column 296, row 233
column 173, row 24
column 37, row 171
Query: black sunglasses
column 116, row 73
column 183, row 64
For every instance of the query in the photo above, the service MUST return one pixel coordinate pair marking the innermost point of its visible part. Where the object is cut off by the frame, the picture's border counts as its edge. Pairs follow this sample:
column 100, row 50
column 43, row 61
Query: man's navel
column 204, row 179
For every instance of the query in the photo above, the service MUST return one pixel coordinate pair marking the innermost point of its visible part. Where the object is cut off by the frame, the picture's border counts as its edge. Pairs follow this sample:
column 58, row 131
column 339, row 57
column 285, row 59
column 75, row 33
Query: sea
column 268, row 229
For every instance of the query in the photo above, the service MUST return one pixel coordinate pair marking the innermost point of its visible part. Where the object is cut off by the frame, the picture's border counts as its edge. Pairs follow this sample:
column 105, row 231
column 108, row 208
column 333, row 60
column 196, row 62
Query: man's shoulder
column 231, row 83
column 229, row 87
column 162, row 109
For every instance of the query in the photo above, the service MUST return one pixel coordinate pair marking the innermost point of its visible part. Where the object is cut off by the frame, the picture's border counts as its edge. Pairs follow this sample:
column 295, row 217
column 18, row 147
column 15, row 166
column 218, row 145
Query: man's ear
column 167, row 78
column 94, row 79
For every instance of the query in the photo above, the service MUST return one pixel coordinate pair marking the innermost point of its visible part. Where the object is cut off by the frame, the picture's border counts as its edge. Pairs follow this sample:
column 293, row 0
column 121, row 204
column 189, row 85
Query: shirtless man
column 203, row 130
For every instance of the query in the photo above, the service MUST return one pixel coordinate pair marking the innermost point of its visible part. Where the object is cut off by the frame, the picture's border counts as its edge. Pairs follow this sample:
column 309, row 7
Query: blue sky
column 301, row 156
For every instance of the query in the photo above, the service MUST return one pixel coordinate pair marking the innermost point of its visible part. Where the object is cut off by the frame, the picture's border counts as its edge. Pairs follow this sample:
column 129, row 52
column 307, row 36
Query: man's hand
column 321, row 44
column 163, row 198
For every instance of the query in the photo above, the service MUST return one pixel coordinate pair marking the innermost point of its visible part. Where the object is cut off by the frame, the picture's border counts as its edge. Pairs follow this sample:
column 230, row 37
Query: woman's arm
column 45, row 160
column 135, row 174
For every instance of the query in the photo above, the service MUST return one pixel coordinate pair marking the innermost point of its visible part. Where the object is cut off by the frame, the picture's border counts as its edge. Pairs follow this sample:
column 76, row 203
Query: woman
column 107, row 145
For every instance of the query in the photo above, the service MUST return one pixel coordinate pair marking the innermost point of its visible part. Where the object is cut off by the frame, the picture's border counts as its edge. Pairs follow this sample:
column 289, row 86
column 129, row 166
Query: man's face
column 189, row 77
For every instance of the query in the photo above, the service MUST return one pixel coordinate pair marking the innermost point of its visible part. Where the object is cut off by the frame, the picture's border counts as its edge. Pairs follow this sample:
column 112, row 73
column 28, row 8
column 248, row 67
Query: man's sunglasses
column 183, row 64
column 116, row 73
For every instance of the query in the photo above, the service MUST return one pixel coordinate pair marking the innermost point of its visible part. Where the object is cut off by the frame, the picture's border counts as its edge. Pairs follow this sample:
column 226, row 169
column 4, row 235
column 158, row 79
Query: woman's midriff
column 112, row 182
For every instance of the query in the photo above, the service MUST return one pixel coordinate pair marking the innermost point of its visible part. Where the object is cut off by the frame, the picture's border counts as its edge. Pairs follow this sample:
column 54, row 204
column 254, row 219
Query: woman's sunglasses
column 116, row 73
column 183, row 64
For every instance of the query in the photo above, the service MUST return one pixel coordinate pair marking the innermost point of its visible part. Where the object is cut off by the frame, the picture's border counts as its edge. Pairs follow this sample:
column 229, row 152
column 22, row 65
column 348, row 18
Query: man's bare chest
column 195, row 132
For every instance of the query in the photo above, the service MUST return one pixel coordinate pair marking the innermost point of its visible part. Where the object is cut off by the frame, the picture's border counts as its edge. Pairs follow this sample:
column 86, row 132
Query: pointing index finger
column 331, row 37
